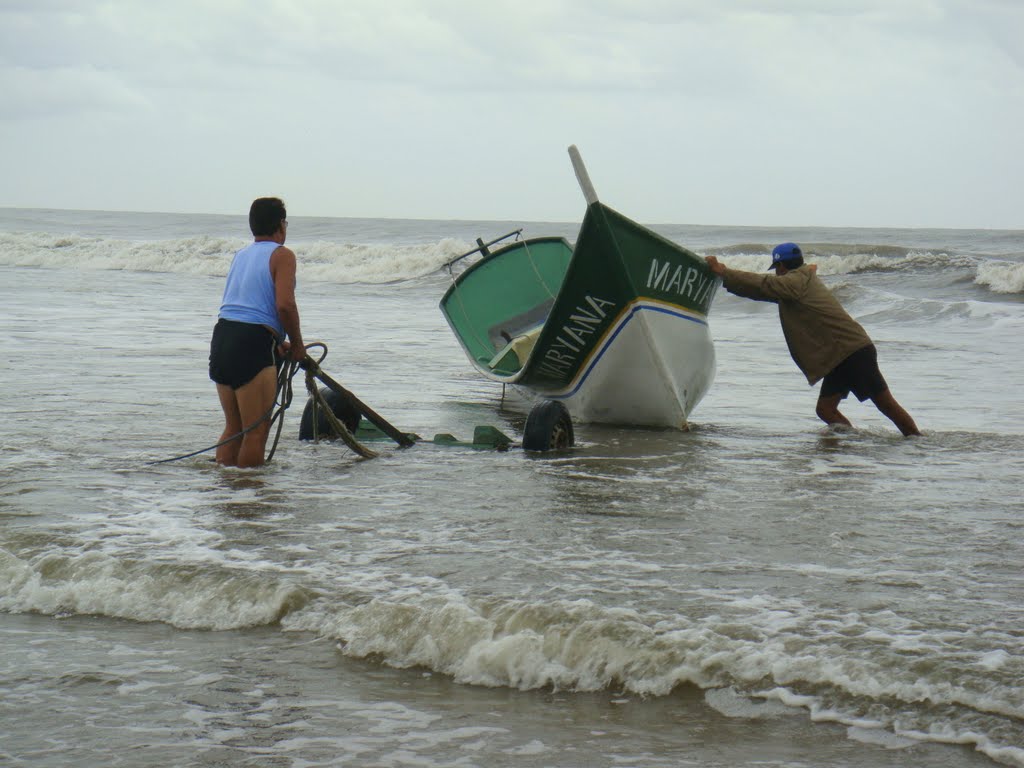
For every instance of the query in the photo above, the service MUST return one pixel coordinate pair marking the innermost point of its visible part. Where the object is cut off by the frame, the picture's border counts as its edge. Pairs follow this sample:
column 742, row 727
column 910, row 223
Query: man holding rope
column 257, row 312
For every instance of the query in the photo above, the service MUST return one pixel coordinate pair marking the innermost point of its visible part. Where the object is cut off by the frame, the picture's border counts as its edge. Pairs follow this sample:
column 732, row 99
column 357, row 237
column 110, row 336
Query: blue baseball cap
column 785, row 252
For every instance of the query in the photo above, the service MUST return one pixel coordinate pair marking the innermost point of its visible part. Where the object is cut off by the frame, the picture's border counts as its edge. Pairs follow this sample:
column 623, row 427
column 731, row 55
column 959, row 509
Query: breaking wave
column 754, row 653
column 208, row 255
column 377, row 263
column 998, row 276
column 188, row 596
column 1001, row 276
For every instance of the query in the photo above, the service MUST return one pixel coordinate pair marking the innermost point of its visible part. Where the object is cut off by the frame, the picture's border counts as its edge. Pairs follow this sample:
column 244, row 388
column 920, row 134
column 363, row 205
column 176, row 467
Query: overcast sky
column 759, row 112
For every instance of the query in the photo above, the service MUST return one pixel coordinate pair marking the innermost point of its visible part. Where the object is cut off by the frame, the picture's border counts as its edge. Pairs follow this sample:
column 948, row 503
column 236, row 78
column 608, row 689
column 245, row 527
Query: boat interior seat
column 516, row 352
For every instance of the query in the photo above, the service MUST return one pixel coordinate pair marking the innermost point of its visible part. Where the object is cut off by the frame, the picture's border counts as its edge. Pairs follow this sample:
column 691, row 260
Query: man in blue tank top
column 257, row 312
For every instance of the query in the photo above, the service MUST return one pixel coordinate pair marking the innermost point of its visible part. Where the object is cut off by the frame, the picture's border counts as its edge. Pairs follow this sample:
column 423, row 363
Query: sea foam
column 207, row 255
column 1001, row 276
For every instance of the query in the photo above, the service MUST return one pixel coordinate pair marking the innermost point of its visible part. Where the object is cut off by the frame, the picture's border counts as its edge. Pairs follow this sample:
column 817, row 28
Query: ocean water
column 758, row 591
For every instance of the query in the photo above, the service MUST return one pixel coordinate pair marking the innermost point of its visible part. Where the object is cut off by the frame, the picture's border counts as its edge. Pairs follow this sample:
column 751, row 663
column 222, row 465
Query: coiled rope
column 282, row 401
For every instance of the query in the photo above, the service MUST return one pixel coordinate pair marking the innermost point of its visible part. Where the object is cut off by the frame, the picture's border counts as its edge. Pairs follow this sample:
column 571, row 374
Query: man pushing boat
column 826, row 343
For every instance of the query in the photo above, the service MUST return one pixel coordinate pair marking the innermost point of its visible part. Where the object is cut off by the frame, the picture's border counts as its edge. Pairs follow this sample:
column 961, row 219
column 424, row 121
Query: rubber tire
column 343, row 408
column 548, row 428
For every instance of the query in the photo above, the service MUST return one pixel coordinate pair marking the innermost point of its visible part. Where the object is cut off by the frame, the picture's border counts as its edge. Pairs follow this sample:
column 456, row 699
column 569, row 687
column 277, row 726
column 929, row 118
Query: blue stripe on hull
column 611, row 339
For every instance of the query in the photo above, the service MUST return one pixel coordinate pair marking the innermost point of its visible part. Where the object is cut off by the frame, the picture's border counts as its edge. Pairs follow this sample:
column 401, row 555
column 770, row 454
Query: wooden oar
column 374, row 418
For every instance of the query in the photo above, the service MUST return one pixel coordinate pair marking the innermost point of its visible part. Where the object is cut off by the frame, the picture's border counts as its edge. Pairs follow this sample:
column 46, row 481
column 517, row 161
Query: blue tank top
column 249, row 295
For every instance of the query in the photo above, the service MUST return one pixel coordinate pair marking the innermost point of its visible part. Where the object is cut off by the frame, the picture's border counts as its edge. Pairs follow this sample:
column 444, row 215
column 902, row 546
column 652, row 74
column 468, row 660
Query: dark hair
column 793, row 263
column 266, row 215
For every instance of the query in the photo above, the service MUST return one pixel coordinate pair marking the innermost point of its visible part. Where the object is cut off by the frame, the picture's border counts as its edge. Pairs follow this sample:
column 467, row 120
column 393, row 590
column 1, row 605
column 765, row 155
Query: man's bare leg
column 227, row 454
column 255, row 399
column 887, row 404
column 828, row 410
column 243, row 407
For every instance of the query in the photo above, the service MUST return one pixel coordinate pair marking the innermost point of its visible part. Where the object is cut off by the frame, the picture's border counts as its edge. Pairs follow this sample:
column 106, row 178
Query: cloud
column 62, row 91
column 876, row 111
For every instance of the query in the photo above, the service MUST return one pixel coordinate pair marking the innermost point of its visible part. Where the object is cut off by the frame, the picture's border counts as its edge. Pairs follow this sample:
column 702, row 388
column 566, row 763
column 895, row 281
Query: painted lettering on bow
column 562, row 356
column 683, row 281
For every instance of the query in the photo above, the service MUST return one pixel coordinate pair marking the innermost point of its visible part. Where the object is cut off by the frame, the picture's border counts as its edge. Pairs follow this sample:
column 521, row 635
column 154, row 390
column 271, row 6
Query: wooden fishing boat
column 614, row 328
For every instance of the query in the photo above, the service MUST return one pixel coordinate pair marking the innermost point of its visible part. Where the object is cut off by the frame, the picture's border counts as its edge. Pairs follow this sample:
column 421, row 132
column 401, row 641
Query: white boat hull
column 651, row 369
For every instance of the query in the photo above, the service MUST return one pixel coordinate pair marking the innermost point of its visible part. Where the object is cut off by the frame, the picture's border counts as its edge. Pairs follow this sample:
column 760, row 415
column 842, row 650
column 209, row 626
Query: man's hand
column 715, row 265
column 289, row 351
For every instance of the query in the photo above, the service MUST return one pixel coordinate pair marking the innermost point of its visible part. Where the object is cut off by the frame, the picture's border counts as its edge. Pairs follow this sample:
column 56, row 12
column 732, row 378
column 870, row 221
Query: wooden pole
column 372, row 416
column 589, row 193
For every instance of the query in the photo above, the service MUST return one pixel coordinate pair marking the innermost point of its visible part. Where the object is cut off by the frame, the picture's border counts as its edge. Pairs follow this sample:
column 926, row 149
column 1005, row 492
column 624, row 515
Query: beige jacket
column 819, row 332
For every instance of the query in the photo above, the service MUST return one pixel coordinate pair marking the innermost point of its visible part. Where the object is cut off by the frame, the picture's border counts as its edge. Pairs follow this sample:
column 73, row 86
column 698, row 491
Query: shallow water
column 757, row 591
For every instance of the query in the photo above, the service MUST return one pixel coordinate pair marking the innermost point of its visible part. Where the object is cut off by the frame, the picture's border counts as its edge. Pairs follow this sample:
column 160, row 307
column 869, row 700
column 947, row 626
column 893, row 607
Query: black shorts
column 239, row 351
column 858, row 374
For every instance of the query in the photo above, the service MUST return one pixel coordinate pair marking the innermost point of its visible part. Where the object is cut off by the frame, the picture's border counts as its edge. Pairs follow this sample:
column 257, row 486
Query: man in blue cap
column 825, row 342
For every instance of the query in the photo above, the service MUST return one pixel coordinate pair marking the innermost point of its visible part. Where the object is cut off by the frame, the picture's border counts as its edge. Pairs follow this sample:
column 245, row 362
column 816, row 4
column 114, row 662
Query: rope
column 536, row 271
column 457, row 293
column 282, row 400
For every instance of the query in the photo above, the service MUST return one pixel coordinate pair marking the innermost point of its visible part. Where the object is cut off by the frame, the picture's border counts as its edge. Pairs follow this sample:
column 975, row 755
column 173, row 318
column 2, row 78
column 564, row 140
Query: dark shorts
column 239, row 351
column 858, row 374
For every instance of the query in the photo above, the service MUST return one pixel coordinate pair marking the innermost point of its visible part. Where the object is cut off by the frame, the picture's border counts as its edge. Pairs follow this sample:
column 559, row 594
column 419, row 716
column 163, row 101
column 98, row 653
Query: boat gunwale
column 485, row 259
column 456, row 280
